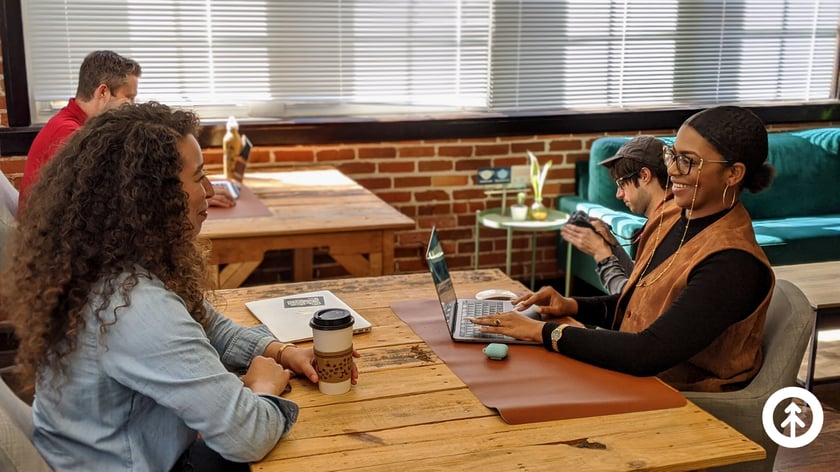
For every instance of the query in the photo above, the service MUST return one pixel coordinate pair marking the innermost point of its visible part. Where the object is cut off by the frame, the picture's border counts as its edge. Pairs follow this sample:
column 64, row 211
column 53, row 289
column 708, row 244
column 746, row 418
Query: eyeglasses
column 621, row 182
column 683, row 162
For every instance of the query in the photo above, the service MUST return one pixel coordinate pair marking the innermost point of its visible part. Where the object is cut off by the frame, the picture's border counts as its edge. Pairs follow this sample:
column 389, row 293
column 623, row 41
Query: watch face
column 555, row 335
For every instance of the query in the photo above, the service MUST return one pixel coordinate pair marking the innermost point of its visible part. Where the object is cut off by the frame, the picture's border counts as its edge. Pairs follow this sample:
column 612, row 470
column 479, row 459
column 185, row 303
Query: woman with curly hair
column 106, row 289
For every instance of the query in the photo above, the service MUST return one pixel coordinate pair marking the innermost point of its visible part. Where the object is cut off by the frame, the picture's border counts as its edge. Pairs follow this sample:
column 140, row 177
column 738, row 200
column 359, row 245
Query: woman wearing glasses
column 694, row 307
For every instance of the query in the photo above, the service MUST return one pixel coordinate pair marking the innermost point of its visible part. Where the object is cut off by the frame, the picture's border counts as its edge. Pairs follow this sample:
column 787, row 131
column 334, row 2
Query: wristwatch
column 556, row 335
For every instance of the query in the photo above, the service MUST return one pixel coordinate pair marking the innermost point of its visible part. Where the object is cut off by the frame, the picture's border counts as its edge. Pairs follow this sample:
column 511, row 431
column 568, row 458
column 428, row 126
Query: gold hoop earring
column 723, row 198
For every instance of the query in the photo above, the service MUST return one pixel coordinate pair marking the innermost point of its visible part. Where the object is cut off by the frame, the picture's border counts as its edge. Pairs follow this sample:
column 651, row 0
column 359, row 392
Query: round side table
column 493, row 218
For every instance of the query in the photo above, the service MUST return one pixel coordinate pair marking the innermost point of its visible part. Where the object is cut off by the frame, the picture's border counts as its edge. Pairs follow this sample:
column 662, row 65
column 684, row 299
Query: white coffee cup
column 332, row 334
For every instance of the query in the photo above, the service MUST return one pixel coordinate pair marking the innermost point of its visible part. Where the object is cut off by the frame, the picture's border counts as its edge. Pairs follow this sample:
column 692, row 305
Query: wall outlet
column 520, row 175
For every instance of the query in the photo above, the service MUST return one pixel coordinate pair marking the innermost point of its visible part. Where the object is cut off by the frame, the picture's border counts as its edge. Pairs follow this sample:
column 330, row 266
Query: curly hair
column 109, row 203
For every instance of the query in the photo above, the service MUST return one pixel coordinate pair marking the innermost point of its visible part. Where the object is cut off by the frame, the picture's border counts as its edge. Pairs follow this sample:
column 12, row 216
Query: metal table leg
column 568, row 270
column 508, row 250
column 533, row 258
column 812, row 358
column 477, row 225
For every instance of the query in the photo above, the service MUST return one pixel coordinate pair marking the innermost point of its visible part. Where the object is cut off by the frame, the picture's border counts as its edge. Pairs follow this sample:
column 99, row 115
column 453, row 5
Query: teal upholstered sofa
column 796, row 219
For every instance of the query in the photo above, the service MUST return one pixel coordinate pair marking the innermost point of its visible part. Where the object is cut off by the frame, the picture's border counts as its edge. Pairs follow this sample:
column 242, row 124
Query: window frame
column 16, row 139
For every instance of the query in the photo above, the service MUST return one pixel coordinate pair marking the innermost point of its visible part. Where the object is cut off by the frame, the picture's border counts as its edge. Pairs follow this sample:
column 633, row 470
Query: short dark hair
column 104, row 67
column 738, row 135
column 640, row 152
column 632, row 167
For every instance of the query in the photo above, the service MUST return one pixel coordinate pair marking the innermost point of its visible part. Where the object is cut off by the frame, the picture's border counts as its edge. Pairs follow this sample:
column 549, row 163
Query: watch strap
column 558, row 333
column 547, row 328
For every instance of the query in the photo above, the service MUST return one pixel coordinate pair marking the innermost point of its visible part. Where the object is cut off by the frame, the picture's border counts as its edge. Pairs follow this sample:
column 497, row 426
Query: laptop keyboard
column 477, row 309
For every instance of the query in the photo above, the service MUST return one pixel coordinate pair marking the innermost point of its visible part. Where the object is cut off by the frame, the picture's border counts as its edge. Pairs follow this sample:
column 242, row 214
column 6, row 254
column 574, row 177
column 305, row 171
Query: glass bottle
column 539, row 211
column 231, row 146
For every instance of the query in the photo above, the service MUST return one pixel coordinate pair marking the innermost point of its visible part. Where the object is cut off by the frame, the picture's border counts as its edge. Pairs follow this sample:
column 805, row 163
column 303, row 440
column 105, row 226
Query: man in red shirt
column 106, row 81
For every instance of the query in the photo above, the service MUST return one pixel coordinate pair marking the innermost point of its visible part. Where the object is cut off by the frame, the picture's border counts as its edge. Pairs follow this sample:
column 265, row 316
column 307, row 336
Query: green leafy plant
column 538, row 175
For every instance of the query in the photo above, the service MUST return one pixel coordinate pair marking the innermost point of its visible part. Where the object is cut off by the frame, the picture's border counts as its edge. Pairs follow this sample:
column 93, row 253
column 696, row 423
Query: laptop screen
column 440, row 275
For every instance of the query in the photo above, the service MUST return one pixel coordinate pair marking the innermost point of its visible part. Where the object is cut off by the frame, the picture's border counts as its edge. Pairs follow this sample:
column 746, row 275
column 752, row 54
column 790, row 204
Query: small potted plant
column 539, row 211
column 519, row 211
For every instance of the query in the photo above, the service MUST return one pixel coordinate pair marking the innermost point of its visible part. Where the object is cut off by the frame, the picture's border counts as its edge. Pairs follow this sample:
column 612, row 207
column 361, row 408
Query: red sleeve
column 44, row 147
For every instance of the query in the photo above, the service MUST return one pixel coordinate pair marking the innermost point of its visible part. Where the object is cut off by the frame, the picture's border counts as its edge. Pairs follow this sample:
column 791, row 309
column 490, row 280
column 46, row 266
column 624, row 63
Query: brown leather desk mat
column 532, row 384
column 247, row 205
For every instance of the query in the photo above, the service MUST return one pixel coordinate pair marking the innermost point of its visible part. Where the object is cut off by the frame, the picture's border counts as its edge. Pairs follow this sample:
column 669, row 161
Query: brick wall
column 432, row 182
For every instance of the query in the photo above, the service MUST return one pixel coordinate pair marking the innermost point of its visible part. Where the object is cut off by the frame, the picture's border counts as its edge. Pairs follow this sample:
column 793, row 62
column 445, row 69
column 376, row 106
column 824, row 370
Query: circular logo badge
column 792, row 423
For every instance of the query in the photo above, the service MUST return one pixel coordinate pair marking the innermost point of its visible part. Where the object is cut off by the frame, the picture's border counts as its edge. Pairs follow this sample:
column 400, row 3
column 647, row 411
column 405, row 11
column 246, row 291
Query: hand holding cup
column 332, row 335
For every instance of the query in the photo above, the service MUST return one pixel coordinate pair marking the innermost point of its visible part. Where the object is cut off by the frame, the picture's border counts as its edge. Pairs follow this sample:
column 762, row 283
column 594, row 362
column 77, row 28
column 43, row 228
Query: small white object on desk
column 288, row 317
column 495, row 294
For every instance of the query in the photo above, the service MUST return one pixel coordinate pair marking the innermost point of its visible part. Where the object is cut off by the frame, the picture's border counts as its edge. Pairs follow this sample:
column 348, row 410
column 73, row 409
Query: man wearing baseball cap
column 641, row 177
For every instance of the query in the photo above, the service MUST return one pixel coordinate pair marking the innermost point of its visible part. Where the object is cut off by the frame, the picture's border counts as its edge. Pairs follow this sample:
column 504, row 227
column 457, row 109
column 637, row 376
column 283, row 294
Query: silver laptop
column 456, row 310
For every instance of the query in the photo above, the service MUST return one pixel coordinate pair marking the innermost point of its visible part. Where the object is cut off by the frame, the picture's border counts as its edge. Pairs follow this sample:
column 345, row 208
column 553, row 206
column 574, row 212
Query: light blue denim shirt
column 134, row 397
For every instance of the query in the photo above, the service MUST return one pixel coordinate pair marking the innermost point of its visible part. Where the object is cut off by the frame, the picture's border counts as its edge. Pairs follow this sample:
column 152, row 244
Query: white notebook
column 288, row 317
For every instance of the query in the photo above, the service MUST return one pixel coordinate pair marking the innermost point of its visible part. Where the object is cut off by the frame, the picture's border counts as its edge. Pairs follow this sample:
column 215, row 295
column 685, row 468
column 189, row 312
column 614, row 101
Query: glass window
column 285, row 58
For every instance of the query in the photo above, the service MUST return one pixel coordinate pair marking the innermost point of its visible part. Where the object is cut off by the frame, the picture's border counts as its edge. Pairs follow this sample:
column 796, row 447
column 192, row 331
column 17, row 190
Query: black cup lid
column 331, row 318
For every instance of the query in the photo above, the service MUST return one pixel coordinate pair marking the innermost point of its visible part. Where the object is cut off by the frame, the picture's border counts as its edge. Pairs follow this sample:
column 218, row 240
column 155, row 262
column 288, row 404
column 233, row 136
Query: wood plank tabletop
column 309, row 200
column 818, row 281
column 409, row 411
column 309, row 208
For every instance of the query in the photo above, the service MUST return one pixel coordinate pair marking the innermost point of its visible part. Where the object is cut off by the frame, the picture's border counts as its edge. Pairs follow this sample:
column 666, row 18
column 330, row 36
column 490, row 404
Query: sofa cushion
column 601, row 188
column 806, row 162
column 799, row 240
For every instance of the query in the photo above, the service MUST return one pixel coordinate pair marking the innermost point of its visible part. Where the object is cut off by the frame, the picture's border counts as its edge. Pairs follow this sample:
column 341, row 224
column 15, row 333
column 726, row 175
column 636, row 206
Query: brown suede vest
column 735, row 356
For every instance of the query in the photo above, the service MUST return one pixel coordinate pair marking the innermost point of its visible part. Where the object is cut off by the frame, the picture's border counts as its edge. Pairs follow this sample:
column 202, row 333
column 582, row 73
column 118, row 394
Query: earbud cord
column 673, row 257
column 634, row 239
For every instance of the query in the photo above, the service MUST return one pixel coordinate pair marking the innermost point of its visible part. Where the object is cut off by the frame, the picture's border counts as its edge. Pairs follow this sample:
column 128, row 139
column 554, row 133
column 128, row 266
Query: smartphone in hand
column 579, row 218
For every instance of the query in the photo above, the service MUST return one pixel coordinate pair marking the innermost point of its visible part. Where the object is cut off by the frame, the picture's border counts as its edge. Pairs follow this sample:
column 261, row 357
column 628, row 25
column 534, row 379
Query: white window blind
column 319, row 57
column 270, row 57
column 586, row 54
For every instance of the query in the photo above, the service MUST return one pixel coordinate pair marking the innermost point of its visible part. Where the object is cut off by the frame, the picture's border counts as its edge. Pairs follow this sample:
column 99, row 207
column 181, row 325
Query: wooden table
column 410, row 412
column 310, row 208
column 818, row 281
